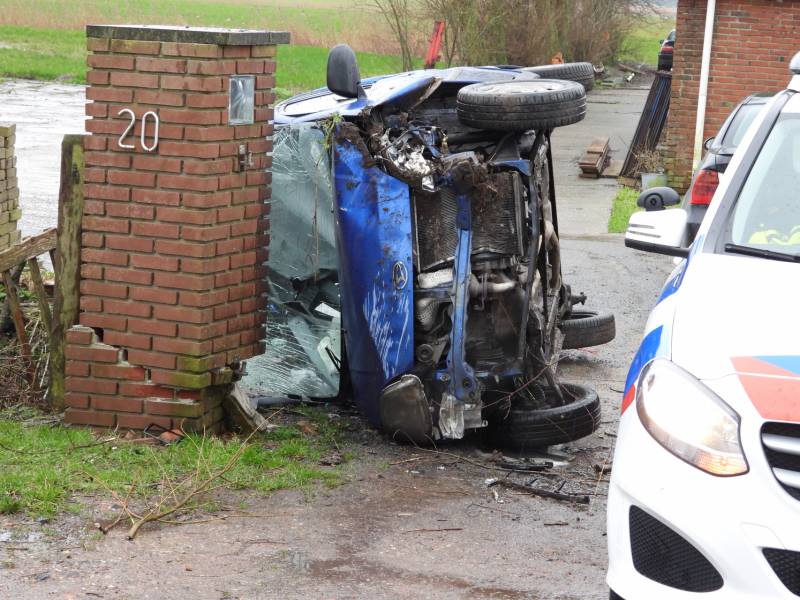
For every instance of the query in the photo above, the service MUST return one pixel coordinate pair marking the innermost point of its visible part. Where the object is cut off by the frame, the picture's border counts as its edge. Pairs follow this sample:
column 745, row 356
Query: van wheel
column 582, row 72
column 586, row 328
column 526, row 425
column 541, row 104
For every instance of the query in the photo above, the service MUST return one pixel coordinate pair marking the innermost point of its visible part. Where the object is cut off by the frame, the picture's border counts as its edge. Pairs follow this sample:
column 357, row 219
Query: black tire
column 586, row 328
column 540, row 104
column 582, row 72
column 523, row 426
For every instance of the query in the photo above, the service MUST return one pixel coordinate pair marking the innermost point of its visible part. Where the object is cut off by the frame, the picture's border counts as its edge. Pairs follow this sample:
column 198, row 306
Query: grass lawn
column 43, row 467
column 624, row 205
column 61, row 54
column 642, row 43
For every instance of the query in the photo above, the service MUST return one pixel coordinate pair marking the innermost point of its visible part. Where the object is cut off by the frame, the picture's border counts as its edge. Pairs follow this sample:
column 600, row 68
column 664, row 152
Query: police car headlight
column 689, row 420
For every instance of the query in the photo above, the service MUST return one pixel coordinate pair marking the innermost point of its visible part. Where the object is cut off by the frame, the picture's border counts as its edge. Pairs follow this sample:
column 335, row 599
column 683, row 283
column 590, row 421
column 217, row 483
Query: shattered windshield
column 303, row 345
column 767, row 213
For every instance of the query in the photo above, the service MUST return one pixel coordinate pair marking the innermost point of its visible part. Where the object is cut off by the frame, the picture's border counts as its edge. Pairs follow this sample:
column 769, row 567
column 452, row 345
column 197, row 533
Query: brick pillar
column 174, row 237
column 9, row 193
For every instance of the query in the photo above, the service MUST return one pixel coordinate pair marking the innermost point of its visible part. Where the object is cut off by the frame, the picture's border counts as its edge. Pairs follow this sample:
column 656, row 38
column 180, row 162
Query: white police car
column 705, row 491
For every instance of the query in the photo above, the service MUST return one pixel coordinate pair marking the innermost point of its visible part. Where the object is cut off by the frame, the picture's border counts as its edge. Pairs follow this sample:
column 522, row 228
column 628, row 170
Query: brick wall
column 754, row 41
column 173, row 239
column 9, row 193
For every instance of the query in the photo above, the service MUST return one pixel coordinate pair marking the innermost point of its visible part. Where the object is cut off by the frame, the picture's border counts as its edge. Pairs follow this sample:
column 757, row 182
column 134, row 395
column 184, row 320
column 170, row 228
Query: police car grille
column 786, row 565
column 663, row 555
column 781, row 443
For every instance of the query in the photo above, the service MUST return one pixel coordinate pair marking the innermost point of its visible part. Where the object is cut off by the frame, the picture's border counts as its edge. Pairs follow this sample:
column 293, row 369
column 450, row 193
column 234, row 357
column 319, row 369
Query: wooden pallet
column 595, row 159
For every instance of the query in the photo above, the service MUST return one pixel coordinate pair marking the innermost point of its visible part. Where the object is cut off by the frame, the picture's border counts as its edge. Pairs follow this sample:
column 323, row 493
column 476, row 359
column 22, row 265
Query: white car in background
column 705, row 491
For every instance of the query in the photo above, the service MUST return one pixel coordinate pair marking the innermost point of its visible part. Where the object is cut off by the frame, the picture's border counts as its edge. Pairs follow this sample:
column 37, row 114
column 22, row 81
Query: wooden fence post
column 67, row 260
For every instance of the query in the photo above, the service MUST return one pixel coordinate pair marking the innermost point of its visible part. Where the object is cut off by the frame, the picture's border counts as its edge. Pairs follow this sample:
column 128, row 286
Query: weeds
column 44, row 469
column 623, row 206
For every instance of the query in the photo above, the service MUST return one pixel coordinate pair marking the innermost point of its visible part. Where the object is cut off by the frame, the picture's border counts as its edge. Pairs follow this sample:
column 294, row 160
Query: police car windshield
column 767, row 213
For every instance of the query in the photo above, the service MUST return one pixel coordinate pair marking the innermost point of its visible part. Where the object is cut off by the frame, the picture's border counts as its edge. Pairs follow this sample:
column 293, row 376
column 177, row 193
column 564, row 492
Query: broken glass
column 303, row 341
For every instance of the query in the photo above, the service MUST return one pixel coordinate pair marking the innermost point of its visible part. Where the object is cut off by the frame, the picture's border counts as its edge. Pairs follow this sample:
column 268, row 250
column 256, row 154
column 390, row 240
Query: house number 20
column 150, row 113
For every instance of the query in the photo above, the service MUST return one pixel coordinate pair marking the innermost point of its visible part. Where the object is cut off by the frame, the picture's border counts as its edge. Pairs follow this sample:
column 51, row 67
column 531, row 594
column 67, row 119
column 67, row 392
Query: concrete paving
column 584, row 205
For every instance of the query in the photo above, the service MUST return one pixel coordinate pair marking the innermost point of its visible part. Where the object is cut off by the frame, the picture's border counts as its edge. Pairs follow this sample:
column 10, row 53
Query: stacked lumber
column 595, row 159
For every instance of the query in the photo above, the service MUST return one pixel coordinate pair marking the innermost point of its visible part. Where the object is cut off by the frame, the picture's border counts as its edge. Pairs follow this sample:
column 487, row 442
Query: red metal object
column 435, row 45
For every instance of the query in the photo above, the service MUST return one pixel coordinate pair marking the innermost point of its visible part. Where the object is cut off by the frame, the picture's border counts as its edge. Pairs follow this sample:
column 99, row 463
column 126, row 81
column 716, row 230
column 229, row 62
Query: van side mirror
column 658, row 198
column 707, row 143
column 343, row 76
column 662, row 232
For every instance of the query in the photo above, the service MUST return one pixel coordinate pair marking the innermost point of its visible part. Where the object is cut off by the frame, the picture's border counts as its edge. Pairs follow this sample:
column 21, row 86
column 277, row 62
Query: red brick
column 131, row 309
column 207, row 101
column 183, row 281
column 205, row 234
column 80, row 336
column 91, row 271
column 133, row 244
column 156, row 197
column 190, row 116
column 104, row 159
column 128, row 372
column 75, row 400
column 103, row 289
column 109, row 61
column 154, row 261
column 181, row 215
column 182, row 314
column 211, row 67
column 152, row 327
column 179, row 346
column 192, row 183
column 144, row 390
column 96, row 109
column 130, row 211
column 125, row 79
column 207, row 167
column 191, row 50
column 162, row 230
column 104, row 321
column 236, row 52
column 161, row 65
column 132, row 178
column 90, row 386
column 89, row 417
column 206, row 200
column 106, row 192
column 107, row 95
column 203, row 299
column 180, row 248
column 194, row 84
column 132, row 421
column 159, row 296
column 90, row 304
column 158, row 97
column 152, row 359
column 76, row 368
column 129, row 276
column 189, row 150
column 128, row 340
column 117, row 403
column 157, row 163
column 135, row 47
column 105, row 257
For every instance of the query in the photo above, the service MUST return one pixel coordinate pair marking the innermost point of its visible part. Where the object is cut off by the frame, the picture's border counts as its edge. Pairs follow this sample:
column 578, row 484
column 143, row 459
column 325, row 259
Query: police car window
column 767, row 213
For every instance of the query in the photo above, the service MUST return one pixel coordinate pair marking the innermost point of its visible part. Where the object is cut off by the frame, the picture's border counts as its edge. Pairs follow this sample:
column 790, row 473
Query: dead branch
column 577, row 499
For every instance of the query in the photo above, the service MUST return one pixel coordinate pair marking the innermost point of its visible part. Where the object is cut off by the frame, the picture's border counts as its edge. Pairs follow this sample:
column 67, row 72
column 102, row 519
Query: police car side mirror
column 661, row 232
column 658, row 198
